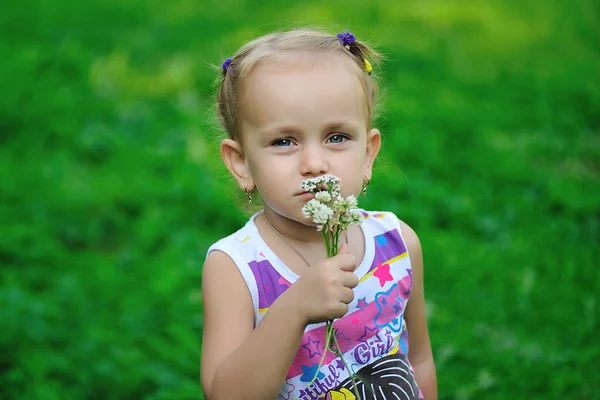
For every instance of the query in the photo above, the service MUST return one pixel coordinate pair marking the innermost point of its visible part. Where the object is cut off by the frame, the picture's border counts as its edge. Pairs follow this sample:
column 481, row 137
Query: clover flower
column 323, row 197
column 333, row 215
column 327, row 182
column 328, row 209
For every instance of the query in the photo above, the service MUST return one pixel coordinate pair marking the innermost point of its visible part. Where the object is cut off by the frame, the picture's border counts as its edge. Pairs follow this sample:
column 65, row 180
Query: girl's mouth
column 305, row 195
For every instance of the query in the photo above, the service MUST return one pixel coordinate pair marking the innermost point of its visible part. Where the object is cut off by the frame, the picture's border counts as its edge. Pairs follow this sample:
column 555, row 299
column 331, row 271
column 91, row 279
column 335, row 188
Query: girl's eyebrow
column 327, row 126
column 333, row 126
column 279, row 129
column 341, row 125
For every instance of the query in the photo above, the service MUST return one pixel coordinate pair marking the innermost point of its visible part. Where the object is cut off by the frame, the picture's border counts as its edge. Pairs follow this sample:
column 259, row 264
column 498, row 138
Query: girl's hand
column 324, row 291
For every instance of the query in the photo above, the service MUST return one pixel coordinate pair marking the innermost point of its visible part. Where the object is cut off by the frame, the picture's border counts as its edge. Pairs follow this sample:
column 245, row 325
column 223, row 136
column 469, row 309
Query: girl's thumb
column 343, row 249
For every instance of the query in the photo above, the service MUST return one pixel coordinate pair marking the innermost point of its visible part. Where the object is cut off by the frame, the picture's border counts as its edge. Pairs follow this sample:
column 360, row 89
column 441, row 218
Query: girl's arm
column 419, row 345
column 237, row 361
column 242, row 362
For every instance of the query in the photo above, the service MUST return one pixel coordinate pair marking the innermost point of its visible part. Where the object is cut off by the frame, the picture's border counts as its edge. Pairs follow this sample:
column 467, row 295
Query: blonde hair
column 253, row 52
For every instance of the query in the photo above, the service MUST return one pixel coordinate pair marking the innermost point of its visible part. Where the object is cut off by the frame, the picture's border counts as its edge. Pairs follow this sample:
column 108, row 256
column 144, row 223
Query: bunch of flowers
column 333, row 214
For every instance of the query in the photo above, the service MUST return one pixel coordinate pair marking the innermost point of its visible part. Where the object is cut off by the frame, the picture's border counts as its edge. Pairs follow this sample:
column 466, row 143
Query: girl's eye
column 337, row 138
column 282, row 142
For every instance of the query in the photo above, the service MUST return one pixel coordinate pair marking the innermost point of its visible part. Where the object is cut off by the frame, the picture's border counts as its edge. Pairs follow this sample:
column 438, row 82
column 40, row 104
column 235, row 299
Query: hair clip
column 368, row 67
column 346, row 38
column 225, row 65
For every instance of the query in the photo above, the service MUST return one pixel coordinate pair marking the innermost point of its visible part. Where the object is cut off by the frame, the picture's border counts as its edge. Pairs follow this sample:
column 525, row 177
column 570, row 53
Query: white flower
column 322, row 214
column 316, row 210
column 327, row 182
column 336, row 190
column 328, row 179
column 352, row 218
column 323, row 197
column 342, row 205
column 356, row 218
column 309, row 208
column 351, row 201
column 308, row 186
column 331, row 221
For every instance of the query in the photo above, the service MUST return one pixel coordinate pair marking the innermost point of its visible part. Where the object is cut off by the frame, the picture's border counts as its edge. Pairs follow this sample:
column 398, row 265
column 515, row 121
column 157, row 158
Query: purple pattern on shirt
column 269, row 282
column 387, row 246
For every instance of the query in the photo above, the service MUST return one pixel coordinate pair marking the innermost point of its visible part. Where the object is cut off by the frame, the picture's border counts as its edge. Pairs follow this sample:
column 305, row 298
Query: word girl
column 298, row 105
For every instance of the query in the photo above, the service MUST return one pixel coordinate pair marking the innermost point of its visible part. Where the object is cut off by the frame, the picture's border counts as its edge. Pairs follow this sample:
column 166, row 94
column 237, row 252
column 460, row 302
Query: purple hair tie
column 346, row 38
column 225, row 65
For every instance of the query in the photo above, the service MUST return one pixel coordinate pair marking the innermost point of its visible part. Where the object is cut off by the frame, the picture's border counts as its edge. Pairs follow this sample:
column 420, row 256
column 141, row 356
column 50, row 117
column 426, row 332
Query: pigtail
column 363, row 55
column 226, row 97
column 365, row 58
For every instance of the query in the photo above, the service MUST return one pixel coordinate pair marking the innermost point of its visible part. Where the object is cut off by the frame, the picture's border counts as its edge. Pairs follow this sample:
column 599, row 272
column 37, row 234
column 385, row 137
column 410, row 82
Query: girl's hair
column 236, row 68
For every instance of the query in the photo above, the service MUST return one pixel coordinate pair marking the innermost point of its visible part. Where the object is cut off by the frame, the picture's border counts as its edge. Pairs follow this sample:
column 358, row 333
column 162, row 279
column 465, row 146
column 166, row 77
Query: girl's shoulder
column 380, row 219
column 382, row 222
column 242, row 235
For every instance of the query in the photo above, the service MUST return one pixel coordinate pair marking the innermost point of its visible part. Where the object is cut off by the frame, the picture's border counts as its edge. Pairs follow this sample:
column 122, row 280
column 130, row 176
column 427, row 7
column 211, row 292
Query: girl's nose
column 313, row 161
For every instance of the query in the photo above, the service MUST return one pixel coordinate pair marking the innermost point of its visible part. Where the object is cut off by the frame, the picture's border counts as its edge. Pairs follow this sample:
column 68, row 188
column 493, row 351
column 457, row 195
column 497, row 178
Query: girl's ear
column 373, row 146
column 234, row 158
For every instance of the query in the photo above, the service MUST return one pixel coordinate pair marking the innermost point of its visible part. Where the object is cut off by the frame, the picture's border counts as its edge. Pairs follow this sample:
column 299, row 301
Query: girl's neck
column 300, row 246
column 291, row 230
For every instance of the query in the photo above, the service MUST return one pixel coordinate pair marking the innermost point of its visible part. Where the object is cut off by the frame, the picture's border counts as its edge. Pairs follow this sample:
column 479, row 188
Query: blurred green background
column 111, row 187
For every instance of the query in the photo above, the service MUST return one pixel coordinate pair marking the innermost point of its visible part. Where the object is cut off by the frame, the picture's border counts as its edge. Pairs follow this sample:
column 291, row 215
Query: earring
column 365, row 185
column 248, row 194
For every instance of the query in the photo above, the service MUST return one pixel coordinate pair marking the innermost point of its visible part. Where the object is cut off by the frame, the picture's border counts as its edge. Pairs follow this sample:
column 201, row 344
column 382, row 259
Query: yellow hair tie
column 368, row 67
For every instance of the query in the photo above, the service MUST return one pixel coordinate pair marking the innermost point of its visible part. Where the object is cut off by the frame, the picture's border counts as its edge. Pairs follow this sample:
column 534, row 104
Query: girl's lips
column 306, row 195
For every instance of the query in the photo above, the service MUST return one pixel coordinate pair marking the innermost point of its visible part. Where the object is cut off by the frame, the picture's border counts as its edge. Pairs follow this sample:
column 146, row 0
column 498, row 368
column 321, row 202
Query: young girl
column 299, row 105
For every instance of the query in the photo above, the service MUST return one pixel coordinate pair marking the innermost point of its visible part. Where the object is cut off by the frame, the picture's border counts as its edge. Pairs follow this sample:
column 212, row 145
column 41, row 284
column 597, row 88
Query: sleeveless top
column 372, row 335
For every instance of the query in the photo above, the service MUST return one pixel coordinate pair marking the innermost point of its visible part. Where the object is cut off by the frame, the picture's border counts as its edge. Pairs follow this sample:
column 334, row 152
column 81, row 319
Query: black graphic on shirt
column 389, row 378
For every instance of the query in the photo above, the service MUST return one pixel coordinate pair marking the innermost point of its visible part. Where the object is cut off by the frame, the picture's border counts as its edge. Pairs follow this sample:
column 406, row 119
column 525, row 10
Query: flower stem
column 352, row 375
column 327, row 244
column 328, row 332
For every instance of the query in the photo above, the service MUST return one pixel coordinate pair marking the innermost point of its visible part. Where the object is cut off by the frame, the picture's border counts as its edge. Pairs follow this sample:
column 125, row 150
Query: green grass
column 111, row 188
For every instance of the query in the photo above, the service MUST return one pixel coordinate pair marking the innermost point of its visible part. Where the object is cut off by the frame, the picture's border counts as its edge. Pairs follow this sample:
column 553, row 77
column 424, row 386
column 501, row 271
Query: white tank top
column 372, row 335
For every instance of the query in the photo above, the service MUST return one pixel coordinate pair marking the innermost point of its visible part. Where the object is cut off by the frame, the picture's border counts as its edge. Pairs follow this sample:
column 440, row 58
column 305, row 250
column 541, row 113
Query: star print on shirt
column 386, row 315
column 287, row 388
column 397, row 307
column 344, row 342
column 369, row 333
column 381, row 240
column 283, row 281
column 362, row 303
column 383, row 273
column 308, row 373
column 312, row 347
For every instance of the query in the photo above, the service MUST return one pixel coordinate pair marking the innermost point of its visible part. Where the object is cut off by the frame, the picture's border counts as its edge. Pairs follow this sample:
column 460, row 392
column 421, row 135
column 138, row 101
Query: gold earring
column 365, row 185
column 248, row 194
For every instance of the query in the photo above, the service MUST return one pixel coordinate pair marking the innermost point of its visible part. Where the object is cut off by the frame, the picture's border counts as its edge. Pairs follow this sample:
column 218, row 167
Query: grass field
column 111, row 188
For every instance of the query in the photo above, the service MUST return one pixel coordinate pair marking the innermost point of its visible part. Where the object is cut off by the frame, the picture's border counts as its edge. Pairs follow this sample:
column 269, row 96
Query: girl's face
column 305, row 115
